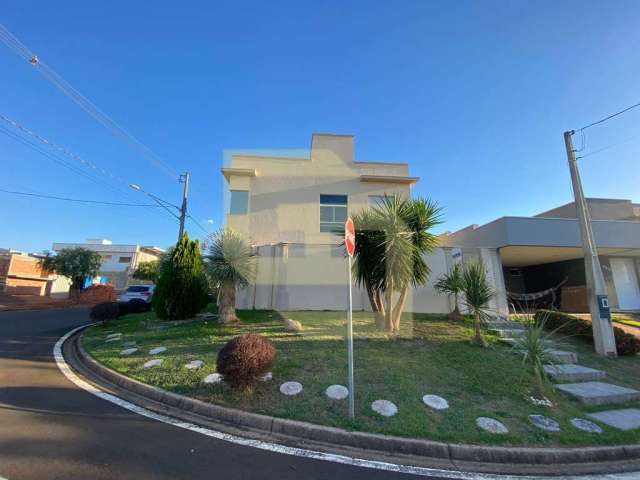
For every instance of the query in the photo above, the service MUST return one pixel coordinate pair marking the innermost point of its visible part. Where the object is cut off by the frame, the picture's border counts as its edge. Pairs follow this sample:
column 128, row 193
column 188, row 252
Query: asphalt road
column 51, row 429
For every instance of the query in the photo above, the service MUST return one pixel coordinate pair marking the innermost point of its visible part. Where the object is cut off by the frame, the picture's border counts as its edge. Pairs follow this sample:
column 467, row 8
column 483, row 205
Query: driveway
column 51, row 429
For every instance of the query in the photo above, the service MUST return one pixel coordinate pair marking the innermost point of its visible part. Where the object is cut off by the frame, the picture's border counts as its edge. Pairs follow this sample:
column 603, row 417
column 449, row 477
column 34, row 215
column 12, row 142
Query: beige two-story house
column 291, row 207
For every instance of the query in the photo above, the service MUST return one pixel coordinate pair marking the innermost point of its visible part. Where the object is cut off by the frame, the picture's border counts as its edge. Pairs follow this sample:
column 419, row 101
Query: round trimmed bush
column 244, row 359
column 137, row 305
column 123, row 309
column 104, row 312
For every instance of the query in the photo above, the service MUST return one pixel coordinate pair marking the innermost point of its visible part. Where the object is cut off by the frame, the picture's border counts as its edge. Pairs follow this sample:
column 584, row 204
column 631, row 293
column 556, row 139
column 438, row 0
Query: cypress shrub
column 626, row 344
column 182, row 287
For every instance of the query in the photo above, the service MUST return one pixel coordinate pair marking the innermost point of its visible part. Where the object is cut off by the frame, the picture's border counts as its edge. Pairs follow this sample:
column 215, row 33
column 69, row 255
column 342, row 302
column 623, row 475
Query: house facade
column 119, row 261
column 544, row 252
column 292, row 208
column 21, row 274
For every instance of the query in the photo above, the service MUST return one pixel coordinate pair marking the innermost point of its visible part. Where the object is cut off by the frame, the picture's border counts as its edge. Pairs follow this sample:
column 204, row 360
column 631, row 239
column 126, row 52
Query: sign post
column 350, row 243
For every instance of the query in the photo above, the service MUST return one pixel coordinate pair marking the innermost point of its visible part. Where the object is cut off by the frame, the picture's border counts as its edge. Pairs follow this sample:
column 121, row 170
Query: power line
column 63, row 150
column 207, row 232
column 79, row 200
column 602, row 120
column 53, row 157
column 56, row 159
column 65, row 87
column 613, row 145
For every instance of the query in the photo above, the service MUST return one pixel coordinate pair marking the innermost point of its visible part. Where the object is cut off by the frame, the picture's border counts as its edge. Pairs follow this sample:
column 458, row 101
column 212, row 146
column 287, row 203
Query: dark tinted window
column 137, row 289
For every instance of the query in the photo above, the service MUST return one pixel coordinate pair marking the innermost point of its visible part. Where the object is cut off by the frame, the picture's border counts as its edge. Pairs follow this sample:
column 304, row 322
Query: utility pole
column 596, row 289
column 183, row 210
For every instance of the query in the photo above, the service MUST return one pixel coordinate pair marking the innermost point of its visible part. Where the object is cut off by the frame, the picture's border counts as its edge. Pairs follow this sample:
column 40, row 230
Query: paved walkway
column 585, row 385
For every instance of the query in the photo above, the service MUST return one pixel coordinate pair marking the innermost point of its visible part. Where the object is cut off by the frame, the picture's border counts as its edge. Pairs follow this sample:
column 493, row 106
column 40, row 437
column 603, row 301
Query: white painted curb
column 301, row 452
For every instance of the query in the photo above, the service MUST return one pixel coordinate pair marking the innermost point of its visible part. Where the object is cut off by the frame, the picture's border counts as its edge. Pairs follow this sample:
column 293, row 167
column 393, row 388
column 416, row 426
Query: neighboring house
column 20, row 274
column 291, row 209
column 541, row 252
column 118, row 261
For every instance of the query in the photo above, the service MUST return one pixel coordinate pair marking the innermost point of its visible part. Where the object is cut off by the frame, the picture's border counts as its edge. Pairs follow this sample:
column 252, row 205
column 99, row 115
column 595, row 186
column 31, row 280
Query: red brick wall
column 98, row 294
column 20, row 286
column 4, row 266
column 25, row 267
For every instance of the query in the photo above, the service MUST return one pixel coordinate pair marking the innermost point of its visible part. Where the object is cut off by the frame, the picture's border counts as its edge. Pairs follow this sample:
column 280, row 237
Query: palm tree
column 451, row 284
column 230, row 263
column 391, row 242
column 477, row 294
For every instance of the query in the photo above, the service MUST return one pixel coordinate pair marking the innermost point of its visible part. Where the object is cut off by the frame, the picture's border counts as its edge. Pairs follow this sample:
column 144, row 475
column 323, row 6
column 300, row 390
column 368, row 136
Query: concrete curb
column 511, row 460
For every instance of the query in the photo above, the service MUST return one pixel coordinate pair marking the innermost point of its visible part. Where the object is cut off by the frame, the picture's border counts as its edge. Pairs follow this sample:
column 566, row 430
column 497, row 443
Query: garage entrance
column 554, row 277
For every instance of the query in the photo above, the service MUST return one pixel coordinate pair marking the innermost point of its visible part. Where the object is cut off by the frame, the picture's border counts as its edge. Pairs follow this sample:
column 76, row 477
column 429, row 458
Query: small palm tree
column 230, row 263
column 391, row 241
column 477, row 294
column 451, row 284
column 536, row 354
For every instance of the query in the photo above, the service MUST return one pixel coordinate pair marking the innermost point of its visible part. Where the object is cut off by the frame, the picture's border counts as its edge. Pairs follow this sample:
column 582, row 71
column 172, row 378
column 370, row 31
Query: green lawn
column 431, row 355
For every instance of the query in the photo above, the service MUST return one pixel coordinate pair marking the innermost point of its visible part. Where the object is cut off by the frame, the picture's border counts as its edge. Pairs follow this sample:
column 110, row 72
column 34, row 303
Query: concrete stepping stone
column 384, row 408
column 624, row 419
column 113, row 335
column 157, row 350
column 545, row 423
column 213, row 378
column 267, row 377
column 509, row 332
column 491, row 425
column 573, row 373
column 291, row 388
column 128, row 351
column 114, row 339
column 194, row 365
column 129, row 344
column 598, row 393
column 337, row 392
column 586, row 425
column 514, row 341
column 435, row 402
column 153, row 363
column 563, row 356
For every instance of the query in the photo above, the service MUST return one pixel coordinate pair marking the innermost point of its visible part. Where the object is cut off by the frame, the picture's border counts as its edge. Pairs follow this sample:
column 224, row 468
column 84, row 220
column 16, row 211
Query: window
column 138, row 289
column 375, row 200
column 333, row 213
column 124, row 260
column 104, row 258
column 239, row 204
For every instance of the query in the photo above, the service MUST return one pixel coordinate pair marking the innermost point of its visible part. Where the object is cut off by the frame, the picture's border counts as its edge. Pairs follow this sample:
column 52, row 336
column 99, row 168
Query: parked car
column 137, row 293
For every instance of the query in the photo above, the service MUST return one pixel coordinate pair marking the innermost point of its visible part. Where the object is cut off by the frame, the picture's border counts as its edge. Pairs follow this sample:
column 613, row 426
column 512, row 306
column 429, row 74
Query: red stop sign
column 350, row 236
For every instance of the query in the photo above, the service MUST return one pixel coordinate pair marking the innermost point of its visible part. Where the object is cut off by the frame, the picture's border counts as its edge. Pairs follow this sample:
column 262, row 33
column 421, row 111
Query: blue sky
column 474, row 95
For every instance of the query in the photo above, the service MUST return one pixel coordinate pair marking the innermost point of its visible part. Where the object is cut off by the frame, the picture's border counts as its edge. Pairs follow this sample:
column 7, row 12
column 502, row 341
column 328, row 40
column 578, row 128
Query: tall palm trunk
column 479, row 339
column 456, row 310
column 388, row 317
column 397, row 310
column 377, row 305
column 227, row 303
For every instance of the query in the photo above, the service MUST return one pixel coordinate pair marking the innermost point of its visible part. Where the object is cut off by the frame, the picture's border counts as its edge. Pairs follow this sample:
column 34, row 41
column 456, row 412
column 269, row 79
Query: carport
column 538, row 254
column 554, row 277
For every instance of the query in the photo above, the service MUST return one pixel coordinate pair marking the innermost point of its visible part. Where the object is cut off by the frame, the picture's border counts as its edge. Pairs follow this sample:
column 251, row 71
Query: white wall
column 315, row 277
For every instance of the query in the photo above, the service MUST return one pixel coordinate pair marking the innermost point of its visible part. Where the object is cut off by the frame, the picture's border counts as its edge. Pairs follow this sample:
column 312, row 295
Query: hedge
column 566, row 324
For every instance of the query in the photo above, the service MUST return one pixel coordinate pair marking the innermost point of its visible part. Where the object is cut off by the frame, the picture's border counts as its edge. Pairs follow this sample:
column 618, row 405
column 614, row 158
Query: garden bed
column 432, row 355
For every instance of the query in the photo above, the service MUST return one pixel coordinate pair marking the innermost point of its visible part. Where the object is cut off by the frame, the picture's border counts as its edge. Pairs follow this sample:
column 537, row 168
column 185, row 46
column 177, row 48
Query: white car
column 137, row 292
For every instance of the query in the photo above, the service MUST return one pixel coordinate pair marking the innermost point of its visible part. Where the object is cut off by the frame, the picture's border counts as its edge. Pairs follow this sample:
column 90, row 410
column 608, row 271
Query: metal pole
column 183, row 210
column 603, row 337
column 350, row 350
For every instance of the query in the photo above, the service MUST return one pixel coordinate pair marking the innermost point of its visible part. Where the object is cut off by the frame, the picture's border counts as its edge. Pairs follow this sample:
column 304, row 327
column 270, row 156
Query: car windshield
column 137, row 289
